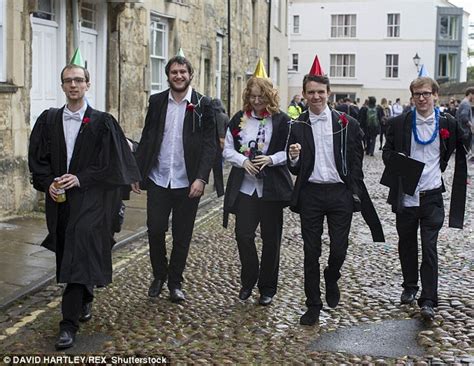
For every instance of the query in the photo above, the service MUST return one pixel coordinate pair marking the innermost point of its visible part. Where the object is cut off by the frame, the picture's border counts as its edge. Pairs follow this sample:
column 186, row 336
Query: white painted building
column 367, row 47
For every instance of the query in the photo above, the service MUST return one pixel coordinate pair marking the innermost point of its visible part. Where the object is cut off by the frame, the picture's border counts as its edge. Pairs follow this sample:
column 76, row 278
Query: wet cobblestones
column 213, row 326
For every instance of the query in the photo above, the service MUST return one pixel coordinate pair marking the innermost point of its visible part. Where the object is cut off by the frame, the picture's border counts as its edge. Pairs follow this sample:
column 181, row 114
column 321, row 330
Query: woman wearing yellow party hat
column 259, row 184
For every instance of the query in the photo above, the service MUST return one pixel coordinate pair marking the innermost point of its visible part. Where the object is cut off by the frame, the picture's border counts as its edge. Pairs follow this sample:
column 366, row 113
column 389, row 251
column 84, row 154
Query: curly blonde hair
column 269, row 94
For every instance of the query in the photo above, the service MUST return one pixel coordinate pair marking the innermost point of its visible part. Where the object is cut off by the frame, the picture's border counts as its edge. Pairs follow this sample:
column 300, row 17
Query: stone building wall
column 16, row 193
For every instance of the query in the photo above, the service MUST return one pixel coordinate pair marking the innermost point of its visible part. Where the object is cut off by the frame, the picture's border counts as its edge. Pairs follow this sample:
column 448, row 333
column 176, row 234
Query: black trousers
column 74, row 296
column 335, row 202
column 429, row 217
column 252, row 211
column 160, row 203
column 371, row 140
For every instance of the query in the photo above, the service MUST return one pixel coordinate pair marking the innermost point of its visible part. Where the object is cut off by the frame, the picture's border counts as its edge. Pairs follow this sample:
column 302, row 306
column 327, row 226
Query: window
column 158, row 53
column 393, row 25
column 342, row 66
column 343, row 25
column 276, row 71
column 45, row 10
column 448, row 27
column 2, row 50
column 391, row 66
column 296, row 23
column 447, row 65
column 294, row 62
column 219, row 42
column 88, row 15
column 277, row 14
column 254, row 23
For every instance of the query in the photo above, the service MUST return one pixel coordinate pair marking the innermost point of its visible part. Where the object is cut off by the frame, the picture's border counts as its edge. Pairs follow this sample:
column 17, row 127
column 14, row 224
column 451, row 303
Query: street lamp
column 416, row 61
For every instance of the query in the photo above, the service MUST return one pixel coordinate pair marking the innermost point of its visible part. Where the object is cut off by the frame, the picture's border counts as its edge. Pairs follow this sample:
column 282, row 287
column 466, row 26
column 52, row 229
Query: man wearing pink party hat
column 325, row 153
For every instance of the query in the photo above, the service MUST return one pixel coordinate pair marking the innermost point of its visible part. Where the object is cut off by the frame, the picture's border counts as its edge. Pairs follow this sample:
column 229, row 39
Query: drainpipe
column 268, row 35
column 76, row 26
column 229, row 59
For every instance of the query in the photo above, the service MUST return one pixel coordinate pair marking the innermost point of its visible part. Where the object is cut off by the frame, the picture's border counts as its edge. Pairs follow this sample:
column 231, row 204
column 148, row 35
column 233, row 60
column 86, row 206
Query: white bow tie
column 71, row 116
column 428, row 121
column 321, row 118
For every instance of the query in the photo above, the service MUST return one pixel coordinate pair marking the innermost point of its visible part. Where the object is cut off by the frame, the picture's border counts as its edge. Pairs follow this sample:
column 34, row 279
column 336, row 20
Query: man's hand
column 68, row 181
column 261, row 161
column 53, row 192
column 250, row 168
column 136, row 187
column 294, row 151
column 197, row 189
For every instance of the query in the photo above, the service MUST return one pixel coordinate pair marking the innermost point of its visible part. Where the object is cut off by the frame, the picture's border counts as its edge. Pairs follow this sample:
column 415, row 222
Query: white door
column 89, row 54
column 45, row 88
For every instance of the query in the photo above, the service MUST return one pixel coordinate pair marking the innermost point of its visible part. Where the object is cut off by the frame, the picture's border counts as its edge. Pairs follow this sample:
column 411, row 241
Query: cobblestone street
column 213, row 326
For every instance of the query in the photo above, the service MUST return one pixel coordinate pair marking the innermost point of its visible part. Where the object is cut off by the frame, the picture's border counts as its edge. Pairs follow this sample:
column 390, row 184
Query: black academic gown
column 348, row 155
column 103, row 163
column 199, row 137
column 398, row 139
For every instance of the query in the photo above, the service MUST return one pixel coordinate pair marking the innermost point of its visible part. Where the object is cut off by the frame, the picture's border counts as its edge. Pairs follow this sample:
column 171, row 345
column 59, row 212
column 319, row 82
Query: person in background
column 80, row 158
column 385, row 115
column 464, row 113
column 425, row 135
column 175, row 155
column 348, row 108
column 222, row 121
column 259, row 184
column 370, row 117
column 294, row 109
column 397, row 108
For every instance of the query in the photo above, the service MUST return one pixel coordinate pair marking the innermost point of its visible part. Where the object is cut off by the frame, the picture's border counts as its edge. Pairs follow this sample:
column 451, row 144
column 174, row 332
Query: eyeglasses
column 76, row 80
column 425, row 95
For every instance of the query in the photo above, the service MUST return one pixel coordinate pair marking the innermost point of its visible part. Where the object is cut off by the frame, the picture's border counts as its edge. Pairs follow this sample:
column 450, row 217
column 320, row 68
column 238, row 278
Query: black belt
column 431, row 192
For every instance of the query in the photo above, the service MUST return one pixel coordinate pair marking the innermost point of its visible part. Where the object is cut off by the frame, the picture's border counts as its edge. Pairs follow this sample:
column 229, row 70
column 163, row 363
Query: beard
column 178, row 89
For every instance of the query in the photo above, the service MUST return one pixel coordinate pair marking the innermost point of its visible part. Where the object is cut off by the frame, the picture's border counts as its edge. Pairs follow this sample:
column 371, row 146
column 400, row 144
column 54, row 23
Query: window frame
column 345, row 68
column 156, row 20
column 340, row 22
column 450, row 65
column 296, row 25
column 392, row 67
column 295, row 65
column 449, row 27
column 393, row 25
column 3, row 52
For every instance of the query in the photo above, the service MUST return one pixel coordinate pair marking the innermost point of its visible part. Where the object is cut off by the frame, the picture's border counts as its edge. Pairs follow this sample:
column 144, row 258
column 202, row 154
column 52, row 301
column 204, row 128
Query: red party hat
column 316, row 69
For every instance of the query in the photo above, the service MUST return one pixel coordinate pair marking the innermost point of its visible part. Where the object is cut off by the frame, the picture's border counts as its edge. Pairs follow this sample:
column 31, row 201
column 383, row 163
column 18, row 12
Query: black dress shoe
column 155, row 288
column 86, row 313
column 427, row 312
column 265, row 300
column 65, row 340
column 176, row 295
column 333, row 294
column 245, row 293
column 407, row 297
column 311, row 317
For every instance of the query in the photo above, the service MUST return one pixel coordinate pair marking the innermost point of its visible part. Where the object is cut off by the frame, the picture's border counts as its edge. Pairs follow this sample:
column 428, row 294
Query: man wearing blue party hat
column 428, row 137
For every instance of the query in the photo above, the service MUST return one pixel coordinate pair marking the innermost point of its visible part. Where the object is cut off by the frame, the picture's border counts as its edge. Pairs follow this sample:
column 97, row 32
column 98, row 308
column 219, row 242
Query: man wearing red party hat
column 325, row 153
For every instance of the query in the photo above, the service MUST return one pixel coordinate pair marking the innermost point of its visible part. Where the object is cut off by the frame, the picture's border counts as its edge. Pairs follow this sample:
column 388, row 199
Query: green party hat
column 77, row 58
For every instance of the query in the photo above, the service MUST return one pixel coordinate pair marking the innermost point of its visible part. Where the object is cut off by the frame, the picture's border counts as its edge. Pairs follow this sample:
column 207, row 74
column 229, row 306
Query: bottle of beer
column 61, row 192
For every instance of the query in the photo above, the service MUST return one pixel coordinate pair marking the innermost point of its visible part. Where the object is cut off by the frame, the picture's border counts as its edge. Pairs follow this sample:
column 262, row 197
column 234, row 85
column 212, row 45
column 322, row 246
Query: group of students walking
column 322, row 148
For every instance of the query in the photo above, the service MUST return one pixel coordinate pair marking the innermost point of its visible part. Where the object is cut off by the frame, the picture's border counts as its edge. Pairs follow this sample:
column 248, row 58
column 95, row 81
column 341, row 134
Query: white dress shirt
column 71, row 125
column 428, row 154
column 170, row 167
column 250, row 183
column 324, row 170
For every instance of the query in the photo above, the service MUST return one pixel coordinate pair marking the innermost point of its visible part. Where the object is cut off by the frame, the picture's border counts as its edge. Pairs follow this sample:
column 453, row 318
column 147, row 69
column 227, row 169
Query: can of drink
column 61, row 192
